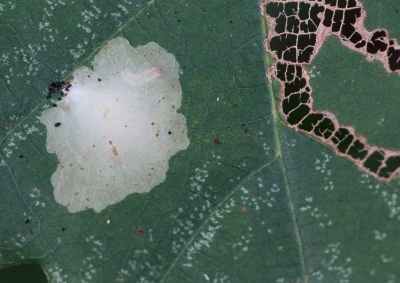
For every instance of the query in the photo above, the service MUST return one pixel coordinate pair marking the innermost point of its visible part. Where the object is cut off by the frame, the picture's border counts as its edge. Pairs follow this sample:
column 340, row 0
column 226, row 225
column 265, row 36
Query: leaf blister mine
column 297, row 31
column 117, row 126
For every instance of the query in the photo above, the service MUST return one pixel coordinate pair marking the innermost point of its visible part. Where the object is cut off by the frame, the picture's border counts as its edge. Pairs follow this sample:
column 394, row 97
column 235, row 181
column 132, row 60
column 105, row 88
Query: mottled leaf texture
column 251, row 199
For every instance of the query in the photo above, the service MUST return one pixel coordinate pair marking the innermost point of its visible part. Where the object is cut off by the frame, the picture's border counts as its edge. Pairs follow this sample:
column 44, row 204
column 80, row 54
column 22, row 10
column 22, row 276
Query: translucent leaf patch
column 297, row 31
column 116, row 126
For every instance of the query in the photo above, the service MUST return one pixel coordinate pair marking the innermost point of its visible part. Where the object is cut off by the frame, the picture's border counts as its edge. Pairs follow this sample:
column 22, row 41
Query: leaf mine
column 116, row 126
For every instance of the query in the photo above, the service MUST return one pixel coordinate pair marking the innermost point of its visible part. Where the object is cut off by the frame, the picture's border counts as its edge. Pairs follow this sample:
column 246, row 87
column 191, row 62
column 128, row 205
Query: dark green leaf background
column 266, row 204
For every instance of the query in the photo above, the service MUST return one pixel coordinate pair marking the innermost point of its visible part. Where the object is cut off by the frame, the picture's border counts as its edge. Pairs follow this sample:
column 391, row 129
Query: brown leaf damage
column 113, row 148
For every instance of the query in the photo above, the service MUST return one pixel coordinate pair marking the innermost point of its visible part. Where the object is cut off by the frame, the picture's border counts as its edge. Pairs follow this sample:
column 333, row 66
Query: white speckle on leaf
column 123, row 8
column 379, row 236
column 56, row 274
column 7, row 152
column 333, row 263
column 305, row 208
column 275, row 188
column 386, row 259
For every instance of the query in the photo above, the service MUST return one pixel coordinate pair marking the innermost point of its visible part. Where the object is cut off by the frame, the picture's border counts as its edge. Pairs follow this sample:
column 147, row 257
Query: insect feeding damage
column 117, row 126
column 297, row 31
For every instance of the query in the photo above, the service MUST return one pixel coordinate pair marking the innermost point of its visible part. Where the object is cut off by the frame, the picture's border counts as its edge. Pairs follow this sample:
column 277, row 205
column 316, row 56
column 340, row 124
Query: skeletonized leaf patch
column 116, row 126
column 297, row 31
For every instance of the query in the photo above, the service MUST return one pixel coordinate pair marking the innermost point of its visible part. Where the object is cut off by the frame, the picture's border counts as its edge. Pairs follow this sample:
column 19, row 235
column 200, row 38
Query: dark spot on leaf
column 57, row 124
column 139, row 229
column 216, row 141
column 27, row 221
column 63, row 229
column 21, row 156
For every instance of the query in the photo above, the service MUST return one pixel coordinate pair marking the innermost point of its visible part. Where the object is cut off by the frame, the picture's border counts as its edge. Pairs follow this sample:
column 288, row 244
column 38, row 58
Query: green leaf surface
column 264, row 204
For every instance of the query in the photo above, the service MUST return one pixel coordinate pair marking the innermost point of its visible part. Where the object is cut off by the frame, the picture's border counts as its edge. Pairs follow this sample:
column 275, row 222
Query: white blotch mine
column 118, row 126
